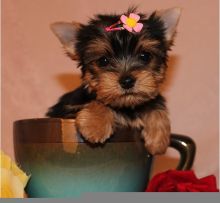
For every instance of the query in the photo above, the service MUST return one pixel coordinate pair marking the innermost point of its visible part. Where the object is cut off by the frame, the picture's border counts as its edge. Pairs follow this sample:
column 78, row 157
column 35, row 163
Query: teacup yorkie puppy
column 123, row 59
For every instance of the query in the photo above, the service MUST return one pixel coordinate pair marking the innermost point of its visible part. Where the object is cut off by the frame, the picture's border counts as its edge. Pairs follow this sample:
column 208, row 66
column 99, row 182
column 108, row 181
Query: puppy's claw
column 95, row 138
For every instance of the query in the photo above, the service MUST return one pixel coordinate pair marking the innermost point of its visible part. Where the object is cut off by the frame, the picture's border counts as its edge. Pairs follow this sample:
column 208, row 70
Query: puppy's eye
column 103, row 61
column 145, row 57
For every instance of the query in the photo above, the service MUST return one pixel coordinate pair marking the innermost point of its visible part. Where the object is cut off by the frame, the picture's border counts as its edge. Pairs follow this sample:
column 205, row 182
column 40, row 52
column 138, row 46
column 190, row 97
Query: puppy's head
column 123, row 68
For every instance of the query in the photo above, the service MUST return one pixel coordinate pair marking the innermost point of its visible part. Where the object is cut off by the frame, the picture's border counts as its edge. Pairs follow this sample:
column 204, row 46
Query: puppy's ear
column 66, row 33
column 170, row 18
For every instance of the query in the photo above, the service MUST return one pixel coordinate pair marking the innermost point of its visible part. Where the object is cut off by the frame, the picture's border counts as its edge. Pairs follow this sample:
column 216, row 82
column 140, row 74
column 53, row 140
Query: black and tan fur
column 107, row 60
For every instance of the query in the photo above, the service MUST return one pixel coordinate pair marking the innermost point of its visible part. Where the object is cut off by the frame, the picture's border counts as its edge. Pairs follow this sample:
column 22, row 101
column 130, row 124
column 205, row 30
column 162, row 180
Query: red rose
column 181, row 181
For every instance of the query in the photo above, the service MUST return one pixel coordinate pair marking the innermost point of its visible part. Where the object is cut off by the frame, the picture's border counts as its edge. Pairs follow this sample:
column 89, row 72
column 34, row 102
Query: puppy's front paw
column 156, row 133
column 95, row 122
column 156, row 143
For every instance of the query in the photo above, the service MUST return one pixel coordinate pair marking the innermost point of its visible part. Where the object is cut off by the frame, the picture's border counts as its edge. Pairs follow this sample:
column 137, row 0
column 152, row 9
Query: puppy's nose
column 127, row 82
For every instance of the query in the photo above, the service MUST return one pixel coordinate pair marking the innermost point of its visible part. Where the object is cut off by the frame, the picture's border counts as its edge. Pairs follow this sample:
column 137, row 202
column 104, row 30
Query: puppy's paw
column 156, row 133
column 156, row 143
column 95, row 122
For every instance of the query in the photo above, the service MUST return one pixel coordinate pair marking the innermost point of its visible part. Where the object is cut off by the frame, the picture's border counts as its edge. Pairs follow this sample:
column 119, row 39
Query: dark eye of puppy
column 102, row 62
column 145, row 57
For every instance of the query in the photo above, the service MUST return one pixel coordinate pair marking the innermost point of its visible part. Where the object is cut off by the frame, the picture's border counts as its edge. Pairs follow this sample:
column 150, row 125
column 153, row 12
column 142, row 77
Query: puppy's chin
column 129, row 99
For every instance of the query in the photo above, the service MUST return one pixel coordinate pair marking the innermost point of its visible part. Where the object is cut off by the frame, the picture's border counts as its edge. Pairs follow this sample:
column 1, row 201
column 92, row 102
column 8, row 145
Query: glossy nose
column 127, row 82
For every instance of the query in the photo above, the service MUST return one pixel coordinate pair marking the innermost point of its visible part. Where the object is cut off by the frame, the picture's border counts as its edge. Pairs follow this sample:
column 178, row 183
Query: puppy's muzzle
column 127, row 81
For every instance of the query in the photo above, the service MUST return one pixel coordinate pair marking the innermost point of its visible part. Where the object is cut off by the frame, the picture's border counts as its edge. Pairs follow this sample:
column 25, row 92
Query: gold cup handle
column 187, row 149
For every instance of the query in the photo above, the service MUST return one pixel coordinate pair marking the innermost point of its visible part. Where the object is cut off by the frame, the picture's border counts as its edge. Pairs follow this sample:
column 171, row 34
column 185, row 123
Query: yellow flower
column 13, row 179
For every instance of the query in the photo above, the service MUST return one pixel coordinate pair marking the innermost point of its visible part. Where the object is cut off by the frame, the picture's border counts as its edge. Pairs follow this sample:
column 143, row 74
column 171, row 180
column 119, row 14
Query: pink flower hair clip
column 129, row 23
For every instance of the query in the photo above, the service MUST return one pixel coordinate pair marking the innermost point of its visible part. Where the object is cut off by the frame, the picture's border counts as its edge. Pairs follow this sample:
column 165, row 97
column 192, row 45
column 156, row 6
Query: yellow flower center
column 131, row 22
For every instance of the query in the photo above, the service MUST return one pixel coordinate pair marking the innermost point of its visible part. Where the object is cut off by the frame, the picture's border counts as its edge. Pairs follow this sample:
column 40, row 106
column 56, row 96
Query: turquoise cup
column 62, row 164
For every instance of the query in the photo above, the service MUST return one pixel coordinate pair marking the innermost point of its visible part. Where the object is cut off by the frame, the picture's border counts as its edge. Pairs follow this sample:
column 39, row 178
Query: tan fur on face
column 156, row 131
column 145, row 83
column 146, row 44
column 106, row 83
column 128, row 100
column 95, row 122
column 98, row 46
column 160, row 75
column 90, row 82
column 109, row 90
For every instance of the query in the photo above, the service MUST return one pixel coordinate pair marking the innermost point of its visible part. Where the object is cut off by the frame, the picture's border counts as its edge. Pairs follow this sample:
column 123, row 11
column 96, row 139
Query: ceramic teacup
column 62, row 164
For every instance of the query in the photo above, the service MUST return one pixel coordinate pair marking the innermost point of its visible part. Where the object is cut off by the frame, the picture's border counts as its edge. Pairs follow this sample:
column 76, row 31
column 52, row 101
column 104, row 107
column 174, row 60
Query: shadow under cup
column 62, row 164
